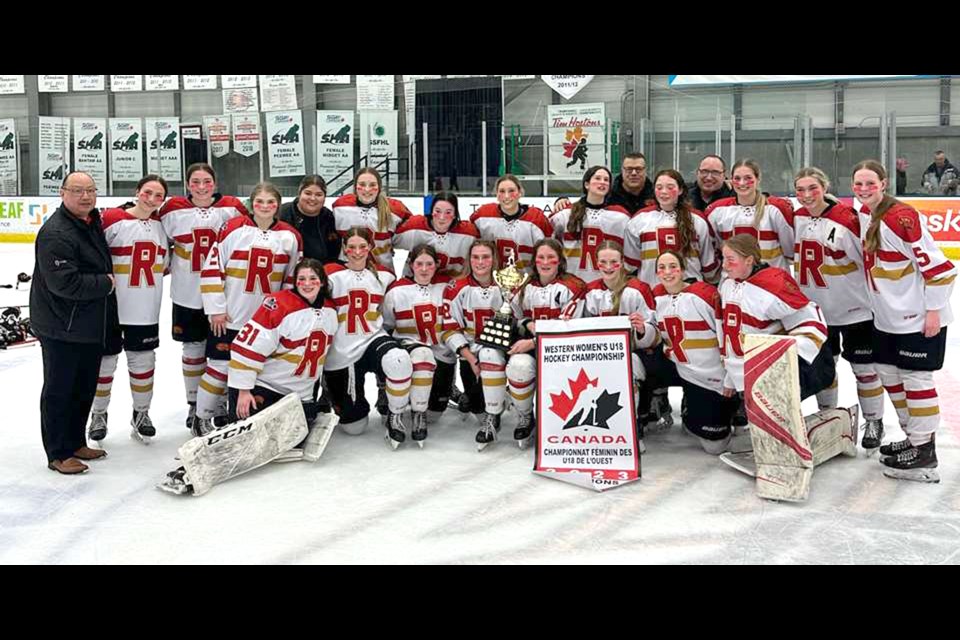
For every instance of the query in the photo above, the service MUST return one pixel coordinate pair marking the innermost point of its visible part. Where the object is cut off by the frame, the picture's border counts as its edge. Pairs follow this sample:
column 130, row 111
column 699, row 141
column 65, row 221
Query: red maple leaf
column 564, row 404
column 568, row 149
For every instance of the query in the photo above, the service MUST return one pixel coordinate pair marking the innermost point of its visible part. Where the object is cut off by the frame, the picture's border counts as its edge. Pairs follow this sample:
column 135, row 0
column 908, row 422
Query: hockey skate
column 660, row 407
column 894, row 448
column 396, row 431
column 191, row 414
column 913, row 463
column 456, row 399
column 740, row 415
column 641, row 447
column 523, row 434
column 489, row 431
column 419, row 430
column 176, row 483
column 872, row 436
column 201, row 426
column 142, row 427
column 97, row 430
column 383, row 405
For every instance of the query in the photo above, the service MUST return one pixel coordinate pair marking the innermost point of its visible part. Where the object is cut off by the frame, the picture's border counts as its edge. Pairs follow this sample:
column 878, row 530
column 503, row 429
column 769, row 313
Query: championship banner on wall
column 285, row 140
column 278, row 93
column 11, row 85
column 218, row 133
column 197, row 83
column 576, row 136
column 8, row 157
column 375, row 93
column 52, row 84
column 162, row 83
column 163, row 148
column 126, row 158
column 567, row 86
column 246, row 134
column 379, row 140
column 90, row 148
column 126, row 83
column 54, row 156
column 585, row 403
column 335, row 133
column 89, row 83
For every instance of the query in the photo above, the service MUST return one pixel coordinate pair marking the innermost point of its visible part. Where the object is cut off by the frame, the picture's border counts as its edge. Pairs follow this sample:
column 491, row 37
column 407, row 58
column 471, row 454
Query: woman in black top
column 313, row 220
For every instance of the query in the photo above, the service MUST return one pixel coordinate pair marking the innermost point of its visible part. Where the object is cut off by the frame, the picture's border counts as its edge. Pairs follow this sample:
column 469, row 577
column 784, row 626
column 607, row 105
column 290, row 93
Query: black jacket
column 320, row 239
column 71, row 298
column 623, row 198
column 696, row 198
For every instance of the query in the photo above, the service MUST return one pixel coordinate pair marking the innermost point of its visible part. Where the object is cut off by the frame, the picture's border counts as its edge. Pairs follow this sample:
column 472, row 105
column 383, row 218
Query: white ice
column 447, row 503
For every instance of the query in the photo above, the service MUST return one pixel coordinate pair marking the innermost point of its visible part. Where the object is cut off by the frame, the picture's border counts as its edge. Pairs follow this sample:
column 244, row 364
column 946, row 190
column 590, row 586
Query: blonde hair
column 744, row 245
column 384, row 212
column 871, row 240
column 821, row 177
column 622, row 277
column 761, row 202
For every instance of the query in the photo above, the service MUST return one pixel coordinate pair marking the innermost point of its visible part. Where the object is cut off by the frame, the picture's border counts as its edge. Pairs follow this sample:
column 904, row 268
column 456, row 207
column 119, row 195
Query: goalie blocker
column 248, row 444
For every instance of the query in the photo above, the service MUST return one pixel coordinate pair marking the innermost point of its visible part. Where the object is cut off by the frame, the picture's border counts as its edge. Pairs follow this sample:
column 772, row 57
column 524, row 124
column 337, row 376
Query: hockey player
column 759, row 298
column 552, row 293
column 369, row 207
column 443, row 230
column 361, row 344
column 616, row 293
column 587, row 223
column 412, row 309
column 193, row 224
column 828, row 260
column 671, row 224
column 687, row 316
column 909, row 282
column 252, row 258
column 514, row 227
column 281, row 350
column 468, row 303
column 139, row 251
column 767, row 218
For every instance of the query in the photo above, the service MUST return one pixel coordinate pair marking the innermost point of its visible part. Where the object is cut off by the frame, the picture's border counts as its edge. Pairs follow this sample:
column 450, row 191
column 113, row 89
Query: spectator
column 941, row 178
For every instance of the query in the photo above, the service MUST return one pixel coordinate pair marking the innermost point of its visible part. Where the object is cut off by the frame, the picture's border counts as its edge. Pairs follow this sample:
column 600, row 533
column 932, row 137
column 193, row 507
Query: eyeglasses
column 710, row 172
column 634, row 169
column 79, row 191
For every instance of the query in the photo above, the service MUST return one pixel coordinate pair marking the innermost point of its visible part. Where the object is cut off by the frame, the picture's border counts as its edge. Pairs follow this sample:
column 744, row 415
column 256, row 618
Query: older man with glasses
column 711, row 183
column 73, row 308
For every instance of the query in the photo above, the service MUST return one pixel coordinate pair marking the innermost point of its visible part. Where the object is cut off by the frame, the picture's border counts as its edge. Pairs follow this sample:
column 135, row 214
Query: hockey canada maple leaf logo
column 598, row 412
column 564, row 404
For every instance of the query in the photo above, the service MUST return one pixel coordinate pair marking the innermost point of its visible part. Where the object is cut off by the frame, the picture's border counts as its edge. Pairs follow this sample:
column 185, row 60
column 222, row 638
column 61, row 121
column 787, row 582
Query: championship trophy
column 500, row 331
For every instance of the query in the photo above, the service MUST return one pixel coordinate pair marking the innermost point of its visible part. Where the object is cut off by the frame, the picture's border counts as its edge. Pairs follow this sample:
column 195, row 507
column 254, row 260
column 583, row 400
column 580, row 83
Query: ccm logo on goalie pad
column 226, row 435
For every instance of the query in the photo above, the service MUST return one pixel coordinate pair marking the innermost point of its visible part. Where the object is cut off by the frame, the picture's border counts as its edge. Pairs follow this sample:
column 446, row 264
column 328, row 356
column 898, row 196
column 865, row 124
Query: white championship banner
column 585, row 403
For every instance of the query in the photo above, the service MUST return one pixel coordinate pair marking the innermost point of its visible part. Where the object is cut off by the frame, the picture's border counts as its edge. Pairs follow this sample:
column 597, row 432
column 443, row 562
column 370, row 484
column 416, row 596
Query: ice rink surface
column 447, row 503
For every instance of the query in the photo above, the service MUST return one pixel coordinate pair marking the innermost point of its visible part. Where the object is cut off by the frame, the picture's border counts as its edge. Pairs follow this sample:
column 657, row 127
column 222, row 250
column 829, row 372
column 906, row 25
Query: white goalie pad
column 243, row 446
column 320, row 432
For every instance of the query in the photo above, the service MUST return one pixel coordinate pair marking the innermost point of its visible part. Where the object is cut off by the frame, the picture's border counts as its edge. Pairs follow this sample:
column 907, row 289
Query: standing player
column 515, row 228
column 441, row 229
column 369, row 207
column 138, row 248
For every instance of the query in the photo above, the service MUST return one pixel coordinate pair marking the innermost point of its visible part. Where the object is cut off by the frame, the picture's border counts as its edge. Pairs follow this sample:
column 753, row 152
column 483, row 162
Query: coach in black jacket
column 73, row 308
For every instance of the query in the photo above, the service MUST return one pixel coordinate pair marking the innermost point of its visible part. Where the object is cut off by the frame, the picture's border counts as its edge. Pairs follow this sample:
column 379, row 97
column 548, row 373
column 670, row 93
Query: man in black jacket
column 632, row 189
column 73, row 308
column 313, row 220
column 711, row 183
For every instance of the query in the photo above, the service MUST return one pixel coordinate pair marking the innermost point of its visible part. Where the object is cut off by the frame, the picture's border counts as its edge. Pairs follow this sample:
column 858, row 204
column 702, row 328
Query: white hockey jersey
column 357, row 296
column 562, row 297
column 413, row 314
column 247, row 264
column 651, row 231
column 193, row 231
column 515, row 236
column 688, row 323
column 768, row 302
column 581, row 250
column 348, row 212
column 908, row 275
column 453, row 247
column 828, row 263
column 467, row 306
column 284, row 345
column 776, row 228
column 636, row 297
column 138, row 249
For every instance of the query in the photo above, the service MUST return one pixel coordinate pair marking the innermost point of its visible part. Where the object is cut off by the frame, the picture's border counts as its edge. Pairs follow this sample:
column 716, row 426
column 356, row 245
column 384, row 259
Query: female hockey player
column 468, row 303
column 617, row 293
column 671, row 224
column 687, row 317
column 441, row 229
column 829, row 268
column 253, row 257
column 280, row 350
column 759, row 298
column 514, row 227
column 552, row 293
column 361, row 344
column 139, row 251
column 909, row 282
column 412, row 309
column 767, row 218
column 587, row 223
column 192, row 224
column 369, row 207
